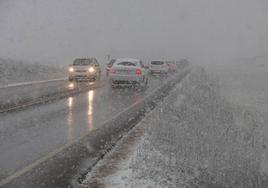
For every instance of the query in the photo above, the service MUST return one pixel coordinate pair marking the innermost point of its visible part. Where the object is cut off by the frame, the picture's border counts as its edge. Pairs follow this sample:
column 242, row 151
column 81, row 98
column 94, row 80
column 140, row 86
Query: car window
column 83, row 62
column 157, row 62
column 127, row 63
column 141, row 63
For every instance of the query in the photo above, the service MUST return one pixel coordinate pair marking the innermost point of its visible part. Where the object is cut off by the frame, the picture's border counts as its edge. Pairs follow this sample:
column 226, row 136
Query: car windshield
column 157, row 62
column 83, row 62
column 127, row 63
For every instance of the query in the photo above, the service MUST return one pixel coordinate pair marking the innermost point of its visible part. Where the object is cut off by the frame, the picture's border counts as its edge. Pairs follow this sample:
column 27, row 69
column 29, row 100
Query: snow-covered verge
column 15, row 71
column 196, row 138
column 244, row 81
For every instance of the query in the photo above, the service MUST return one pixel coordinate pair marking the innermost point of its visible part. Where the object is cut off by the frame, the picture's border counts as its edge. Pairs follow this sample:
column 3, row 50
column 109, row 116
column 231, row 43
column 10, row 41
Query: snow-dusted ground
column 244, row 82
column 196, row 138
column 16, row 71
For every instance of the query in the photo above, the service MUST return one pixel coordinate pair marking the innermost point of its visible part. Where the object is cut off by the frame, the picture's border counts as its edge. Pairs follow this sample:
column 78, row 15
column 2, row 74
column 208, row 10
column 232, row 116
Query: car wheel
column 111, row 85
column 144, row 85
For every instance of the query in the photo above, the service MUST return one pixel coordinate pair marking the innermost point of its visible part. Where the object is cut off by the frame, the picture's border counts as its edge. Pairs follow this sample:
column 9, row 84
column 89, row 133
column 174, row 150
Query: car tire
column 144, row 85
column 111, row 85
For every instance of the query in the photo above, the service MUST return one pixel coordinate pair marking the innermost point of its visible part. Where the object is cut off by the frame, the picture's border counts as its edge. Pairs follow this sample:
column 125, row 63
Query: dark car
column 109, row 66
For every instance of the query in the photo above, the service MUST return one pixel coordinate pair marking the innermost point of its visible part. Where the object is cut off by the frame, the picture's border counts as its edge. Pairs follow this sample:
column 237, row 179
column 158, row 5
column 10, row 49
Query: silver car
column 128, row 72
column 159, row 67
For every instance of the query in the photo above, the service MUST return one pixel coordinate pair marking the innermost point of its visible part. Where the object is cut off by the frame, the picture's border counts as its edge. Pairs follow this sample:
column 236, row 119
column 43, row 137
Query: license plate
column 124, row 71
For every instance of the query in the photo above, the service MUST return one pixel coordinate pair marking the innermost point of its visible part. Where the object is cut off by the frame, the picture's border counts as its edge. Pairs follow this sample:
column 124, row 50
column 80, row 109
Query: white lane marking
column 31, row 83
column 38, row 162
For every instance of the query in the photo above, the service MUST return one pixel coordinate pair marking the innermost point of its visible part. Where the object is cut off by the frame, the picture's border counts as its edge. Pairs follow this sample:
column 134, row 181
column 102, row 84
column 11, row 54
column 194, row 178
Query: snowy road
column 29, row 135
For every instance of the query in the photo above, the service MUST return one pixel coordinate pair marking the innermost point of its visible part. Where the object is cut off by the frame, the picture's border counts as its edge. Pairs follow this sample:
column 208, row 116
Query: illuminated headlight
column 91, row 69
column 71, row 69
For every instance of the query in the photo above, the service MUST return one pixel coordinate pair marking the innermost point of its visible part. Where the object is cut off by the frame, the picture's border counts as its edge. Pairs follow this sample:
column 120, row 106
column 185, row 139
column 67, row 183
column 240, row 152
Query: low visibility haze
column 56, row 32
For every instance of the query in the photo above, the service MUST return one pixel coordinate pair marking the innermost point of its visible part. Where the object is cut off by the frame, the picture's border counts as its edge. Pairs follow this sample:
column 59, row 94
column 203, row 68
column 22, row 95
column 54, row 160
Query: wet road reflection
column 90, row 110
column 70, row 129
column 33, row 133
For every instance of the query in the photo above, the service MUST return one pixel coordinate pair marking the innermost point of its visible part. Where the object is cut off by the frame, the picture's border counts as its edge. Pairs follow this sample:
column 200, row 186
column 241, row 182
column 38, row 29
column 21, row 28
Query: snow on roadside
column 196, row 138
column 114, row 170
column 16, row 71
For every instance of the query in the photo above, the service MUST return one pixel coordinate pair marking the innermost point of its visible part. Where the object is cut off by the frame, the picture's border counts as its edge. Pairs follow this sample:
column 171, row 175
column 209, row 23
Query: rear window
column 157, row 62
column 83, row 62
column 127, row 63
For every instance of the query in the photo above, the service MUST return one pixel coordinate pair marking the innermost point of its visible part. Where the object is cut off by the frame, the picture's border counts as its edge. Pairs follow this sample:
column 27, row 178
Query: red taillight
column 138, row 71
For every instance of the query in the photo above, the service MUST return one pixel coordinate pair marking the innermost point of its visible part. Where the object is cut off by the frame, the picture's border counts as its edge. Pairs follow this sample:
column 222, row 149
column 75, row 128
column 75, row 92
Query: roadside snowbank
column 196, row 138
column 15, row 71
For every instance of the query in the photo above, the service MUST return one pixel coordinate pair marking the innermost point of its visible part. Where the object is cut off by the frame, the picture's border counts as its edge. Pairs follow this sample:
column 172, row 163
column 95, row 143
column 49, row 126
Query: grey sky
column 57, row 31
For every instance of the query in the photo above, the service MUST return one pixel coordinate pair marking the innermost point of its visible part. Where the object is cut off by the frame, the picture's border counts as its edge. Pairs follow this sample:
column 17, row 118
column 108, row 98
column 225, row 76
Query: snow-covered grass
column 244, row 82
column 15, row 71
column 198, row 139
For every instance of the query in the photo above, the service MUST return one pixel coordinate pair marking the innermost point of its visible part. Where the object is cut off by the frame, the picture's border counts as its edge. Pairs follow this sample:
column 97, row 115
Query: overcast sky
column 57, row 31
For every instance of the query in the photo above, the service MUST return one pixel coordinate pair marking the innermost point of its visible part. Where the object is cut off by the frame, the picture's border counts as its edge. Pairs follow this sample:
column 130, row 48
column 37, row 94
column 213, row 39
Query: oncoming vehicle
column 84, row 69
column 159, row 67
column 128, row 72
column 109, row 66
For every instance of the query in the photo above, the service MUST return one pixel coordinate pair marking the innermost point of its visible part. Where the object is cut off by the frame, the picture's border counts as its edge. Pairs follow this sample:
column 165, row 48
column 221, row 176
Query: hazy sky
column 57, row 31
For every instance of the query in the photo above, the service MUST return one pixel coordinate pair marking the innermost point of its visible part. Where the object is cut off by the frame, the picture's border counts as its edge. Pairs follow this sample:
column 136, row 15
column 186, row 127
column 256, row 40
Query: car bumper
column 83, row 76
column 125, row 80
column 158, row 71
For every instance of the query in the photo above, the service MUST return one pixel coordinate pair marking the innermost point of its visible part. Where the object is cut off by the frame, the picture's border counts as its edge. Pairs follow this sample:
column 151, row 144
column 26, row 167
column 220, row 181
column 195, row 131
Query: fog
column 56, row 32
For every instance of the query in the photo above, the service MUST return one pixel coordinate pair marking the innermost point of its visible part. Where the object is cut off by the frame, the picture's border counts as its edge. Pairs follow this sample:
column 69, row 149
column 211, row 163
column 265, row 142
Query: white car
column 126, row 71
column 160, row 67
column 84, row 69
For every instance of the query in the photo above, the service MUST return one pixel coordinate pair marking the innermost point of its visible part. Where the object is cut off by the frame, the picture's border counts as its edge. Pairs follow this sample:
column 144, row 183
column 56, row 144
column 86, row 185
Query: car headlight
column 91, row 69
column 71, row 69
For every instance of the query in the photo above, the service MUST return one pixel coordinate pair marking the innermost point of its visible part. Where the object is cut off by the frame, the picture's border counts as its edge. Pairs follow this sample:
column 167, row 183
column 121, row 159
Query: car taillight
column 138, row 71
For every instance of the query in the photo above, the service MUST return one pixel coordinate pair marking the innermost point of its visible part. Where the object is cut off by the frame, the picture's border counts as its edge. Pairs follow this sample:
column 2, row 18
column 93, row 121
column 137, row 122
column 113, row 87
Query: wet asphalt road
column 26, row 136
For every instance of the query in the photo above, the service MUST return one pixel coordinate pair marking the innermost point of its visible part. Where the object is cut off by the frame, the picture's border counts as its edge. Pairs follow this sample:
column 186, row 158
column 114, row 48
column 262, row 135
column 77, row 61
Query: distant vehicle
column 84, row 69
column 128, row 72
column 172, row 66
column 181, row 64
column 109, row 66
column 159, row 67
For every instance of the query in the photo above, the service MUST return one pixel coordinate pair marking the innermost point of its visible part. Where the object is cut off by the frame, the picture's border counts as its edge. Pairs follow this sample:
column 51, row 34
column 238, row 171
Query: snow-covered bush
column 201, row 140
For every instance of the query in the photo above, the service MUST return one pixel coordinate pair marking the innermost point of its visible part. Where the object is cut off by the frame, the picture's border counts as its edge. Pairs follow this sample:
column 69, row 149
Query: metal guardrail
column 31, row 83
